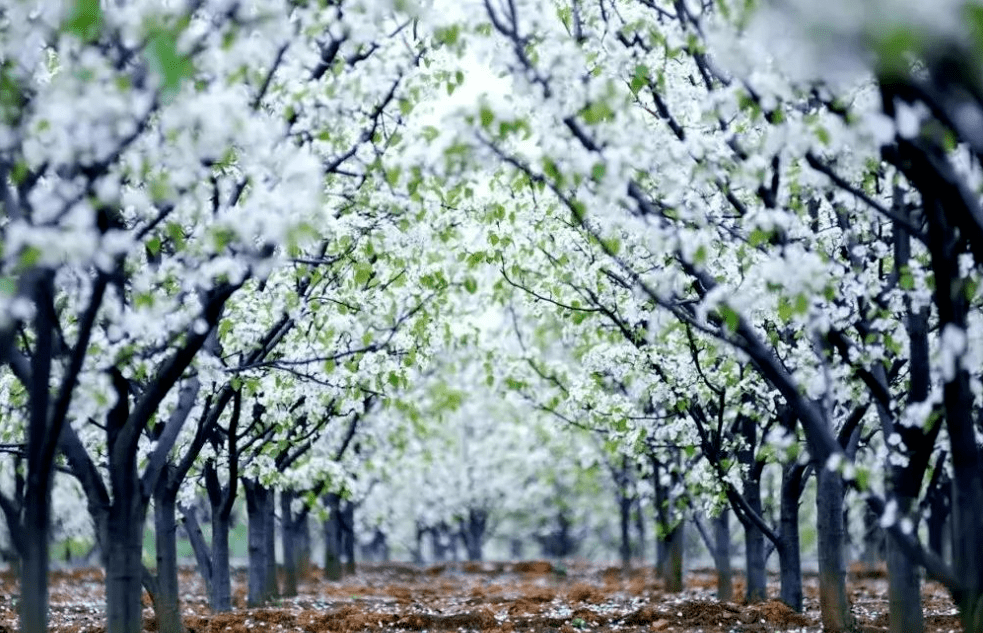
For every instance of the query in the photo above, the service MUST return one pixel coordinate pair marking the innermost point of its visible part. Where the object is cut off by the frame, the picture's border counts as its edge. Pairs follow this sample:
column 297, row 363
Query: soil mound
column 532, row 567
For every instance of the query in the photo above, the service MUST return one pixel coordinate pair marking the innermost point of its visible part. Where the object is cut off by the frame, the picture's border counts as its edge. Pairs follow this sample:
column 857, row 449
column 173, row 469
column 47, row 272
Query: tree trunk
column 221, row 598
column 259, row 501
column 332, row 538
column 754, row 547
column 167, row 605
column 672, row 570
column 624, row 508
column 473, row 532
column 124, row 554
column 790, row 563
column 295, row 543
column 34, row 558
column 721, row 557
column 834, row 604
column 903, row 592
column 348, row 536
column 271, row 585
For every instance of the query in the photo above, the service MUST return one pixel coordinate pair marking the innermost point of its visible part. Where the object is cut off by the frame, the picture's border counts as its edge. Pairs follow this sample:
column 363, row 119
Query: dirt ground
column 486, row 597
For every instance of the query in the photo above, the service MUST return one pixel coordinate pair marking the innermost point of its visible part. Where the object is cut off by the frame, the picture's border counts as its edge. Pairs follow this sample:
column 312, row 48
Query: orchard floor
column 488, row 597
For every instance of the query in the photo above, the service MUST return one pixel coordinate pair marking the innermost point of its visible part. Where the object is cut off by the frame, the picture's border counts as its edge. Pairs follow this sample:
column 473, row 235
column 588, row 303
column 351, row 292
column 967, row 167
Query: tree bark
column 291, row 528
column 348, row 536
column 473, row 533
column 721, row 557
column 34, row 558
column 124, row 564
column 332, row 538
column 903, row 592
column 672, row 570
column 221, row 597
column 168, row 603
column 624, row 513
column 259, row 505
column 834, row 604
column 789, row 555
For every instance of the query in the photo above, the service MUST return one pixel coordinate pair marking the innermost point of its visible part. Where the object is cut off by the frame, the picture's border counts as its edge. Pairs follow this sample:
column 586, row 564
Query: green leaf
column 30, row 256
column 84, row 20
column 597, row 112
column 785, row 310
column 163, row 56
column 471, row 285
column 639, row 78
column 907, row 280
column 8, row 286
column 758, row 236
column 363, row 272
column 487, row 117
column 730, row 317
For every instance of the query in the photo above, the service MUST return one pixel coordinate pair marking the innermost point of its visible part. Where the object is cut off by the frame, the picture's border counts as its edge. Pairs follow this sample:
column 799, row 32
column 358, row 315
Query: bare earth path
column 489, row 597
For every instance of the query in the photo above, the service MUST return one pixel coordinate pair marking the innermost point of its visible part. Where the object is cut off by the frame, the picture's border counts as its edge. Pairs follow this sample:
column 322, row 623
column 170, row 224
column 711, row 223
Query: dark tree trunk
column 348, row 536
column 873, row 541
column 221, row 598
column 42, row 435
column 754, row 540
column 903, row 592
column 296, row 543
column 789, row 553
column 271, row 585
column 939, row 513
column 625, row 503
column 672, row 568
column 473, row 533
column 167, row 605
column 834, row 604
column 34, row 557
column 332, row 538
column 721, row 557
column 259, row 506
column 754, row 546
column 124, row 554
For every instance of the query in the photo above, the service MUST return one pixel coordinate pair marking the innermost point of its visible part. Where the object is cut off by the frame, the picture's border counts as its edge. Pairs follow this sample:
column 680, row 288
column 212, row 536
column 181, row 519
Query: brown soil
column 487, row 597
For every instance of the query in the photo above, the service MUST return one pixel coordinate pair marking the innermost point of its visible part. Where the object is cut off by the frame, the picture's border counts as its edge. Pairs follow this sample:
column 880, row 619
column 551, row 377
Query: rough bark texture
column 221, row 598
column 124, row 567
column 721, row 557
column 834, row 605
column 295, row 537
column 790, row 565
column 259, row 507
column 167, row 605
column 754, row 547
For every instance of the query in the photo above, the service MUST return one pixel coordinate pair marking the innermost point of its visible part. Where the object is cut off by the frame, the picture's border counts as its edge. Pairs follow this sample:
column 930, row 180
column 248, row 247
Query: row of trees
column 759, row 260
column 234, row 235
